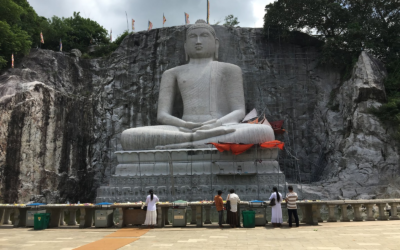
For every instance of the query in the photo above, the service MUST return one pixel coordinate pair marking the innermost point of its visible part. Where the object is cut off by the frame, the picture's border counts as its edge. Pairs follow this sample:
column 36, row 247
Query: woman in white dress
column 276, row 218
column 151, row 214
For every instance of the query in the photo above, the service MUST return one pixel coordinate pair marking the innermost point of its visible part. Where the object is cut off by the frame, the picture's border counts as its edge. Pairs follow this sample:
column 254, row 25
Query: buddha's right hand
column 192, row 125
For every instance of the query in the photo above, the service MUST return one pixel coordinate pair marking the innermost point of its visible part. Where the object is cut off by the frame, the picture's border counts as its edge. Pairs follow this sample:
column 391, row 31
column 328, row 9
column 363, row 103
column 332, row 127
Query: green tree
column 76, row 32
column 231, row 21
column 13, row 38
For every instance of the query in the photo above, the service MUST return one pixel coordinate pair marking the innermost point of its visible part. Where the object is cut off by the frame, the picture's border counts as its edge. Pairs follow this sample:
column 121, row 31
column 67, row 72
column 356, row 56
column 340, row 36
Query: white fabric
column 276, row 216
column 234, row 198
column 151, row 204
column 151, row 218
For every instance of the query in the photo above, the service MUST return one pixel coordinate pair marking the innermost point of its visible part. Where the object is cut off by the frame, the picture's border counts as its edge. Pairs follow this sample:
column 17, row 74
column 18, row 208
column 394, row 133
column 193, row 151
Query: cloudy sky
column 111, row 13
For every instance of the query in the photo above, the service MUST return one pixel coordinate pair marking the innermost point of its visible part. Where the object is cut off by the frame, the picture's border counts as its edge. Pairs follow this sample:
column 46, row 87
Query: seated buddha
column 213, row 102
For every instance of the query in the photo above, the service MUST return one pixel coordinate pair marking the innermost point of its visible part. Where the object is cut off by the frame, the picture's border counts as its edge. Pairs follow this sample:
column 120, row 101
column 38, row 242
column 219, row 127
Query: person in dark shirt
column 219, row 204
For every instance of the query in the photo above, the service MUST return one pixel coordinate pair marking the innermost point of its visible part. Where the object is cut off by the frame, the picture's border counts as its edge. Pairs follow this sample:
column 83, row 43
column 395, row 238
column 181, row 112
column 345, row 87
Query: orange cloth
column 222, row 147
column 237, row 149
column 219, row 203
column 273, row 144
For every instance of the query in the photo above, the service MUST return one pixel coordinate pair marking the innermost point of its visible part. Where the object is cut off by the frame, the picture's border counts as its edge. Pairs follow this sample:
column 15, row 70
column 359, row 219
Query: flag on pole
column 60, row 45
column 41, row 38
column 164, row 19
column 208, row 11
column 111, row 35
column 12, row 60
column 150, row 26
column 133, row 24
column 187, row 18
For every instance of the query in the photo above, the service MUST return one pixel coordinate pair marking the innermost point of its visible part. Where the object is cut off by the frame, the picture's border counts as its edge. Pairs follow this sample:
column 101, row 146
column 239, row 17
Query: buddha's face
column 200, row 43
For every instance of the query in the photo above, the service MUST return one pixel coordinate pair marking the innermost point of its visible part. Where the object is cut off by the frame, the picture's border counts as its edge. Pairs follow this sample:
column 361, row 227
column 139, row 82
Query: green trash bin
column 41, row 221
column 249, row 219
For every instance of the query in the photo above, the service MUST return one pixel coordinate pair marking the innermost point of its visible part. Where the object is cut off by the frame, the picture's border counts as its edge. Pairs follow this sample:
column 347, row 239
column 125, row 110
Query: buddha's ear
column 186, row 54
column 216, row 49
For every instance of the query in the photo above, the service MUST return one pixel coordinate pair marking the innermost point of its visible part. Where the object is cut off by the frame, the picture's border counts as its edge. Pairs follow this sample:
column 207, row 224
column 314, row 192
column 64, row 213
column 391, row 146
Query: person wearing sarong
column 232, row 214
column 151, row 214
column 276, row 217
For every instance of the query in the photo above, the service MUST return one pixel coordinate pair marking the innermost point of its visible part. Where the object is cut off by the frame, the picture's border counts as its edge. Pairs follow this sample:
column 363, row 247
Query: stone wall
column 61, row 115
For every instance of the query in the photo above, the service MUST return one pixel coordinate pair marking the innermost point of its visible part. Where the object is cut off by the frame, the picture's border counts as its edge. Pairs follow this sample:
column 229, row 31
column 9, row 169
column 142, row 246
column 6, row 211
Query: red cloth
column 273, row 144
column 237, row 149
column 222, row 146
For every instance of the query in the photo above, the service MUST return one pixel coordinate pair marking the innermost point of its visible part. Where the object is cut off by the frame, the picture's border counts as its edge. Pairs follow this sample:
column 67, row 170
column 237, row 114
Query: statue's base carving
column 192, row 174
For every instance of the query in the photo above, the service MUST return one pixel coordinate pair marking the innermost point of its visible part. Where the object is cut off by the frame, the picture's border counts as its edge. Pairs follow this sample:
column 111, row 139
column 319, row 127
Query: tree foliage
column 20, row 28
column 231, row 21
column 13, row 39
column 75, row 32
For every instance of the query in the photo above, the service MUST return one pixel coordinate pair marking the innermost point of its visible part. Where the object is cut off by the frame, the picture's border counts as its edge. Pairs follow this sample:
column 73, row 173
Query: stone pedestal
column 208, row 215
column 345, row 217
column 193, row 221
column 72, row 217
column 62, row 220
column 393, row 211
column 199, row 216
column 303, row 213
column 20, row 217
column 86, row 218
column 192, row 174
column 165, row 215
column 370, row 213
column 7, row 216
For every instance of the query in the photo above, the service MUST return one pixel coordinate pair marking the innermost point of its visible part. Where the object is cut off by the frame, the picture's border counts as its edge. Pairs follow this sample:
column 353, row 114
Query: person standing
column 151, row 214
column 219, row 204
column 234, row 201
column 291, row 199
column 276, row 218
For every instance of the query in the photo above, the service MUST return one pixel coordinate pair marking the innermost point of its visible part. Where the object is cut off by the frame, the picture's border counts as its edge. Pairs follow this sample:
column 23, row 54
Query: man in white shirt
column 234, row 201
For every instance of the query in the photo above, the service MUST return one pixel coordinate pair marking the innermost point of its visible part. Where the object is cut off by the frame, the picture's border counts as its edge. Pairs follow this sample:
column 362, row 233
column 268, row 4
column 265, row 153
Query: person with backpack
column 151, row 214
column 275, row 203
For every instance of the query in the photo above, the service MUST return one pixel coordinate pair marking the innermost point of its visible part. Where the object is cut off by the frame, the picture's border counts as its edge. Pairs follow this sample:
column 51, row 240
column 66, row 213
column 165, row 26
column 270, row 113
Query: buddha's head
column 201, row 41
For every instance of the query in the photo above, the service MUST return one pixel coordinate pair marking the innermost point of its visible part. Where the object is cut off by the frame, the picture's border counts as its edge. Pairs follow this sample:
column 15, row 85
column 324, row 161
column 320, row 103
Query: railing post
column 370, row 213
column 345, row 217
column 382, row 215
column 332, row 215
column 393, row 211
column 208, row 217
column 357, row 213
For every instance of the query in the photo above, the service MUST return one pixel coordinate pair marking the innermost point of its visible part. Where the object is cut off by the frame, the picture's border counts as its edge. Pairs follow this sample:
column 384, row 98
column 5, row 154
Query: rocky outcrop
column 61, row 115
column 362, row 157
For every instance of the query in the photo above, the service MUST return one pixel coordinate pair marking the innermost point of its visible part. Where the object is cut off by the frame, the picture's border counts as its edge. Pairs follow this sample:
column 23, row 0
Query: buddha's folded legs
column 244, row 133
column 149, row 137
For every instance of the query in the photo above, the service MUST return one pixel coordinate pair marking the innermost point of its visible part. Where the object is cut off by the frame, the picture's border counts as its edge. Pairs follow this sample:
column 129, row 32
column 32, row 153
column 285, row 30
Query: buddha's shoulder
column 228, row 67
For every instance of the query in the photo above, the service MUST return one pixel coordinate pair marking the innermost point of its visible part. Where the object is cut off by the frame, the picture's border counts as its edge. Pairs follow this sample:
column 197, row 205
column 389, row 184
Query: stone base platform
column 192, row 174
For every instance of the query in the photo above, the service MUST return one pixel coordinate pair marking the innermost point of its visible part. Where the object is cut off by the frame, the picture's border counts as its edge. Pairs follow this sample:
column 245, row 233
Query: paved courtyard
column 329, row 236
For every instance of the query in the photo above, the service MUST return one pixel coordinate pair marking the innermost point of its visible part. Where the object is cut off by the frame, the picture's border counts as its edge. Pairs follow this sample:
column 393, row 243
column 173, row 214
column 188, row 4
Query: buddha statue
column 213, row 102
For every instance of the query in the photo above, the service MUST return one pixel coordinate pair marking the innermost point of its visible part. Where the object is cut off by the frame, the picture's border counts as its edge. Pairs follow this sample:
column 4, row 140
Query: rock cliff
column 61, row 115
